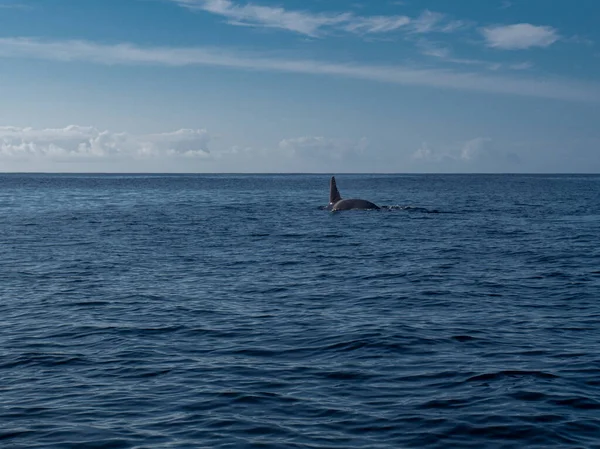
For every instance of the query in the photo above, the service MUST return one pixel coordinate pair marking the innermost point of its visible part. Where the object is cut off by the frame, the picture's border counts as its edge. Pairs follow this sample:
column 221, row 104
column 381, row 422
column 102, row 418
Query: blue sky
column 300, row 86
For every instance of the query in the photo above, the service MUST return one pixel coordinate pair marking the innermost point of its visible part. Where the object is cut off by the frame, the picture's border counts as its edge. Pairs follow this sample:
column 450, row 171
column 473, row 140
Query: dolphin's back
column 353, row 204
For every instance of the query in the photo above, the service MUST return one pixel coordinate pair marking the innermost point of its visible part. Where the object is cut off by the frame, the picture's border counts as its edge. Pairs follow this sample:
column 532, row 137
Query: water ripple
column 188, row 311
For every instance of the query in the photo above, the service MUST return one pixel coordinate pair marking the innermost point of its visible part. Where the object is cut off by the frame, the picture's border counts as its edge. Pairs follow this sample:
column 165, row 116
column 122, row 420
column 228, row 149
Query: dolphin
column 337, row 203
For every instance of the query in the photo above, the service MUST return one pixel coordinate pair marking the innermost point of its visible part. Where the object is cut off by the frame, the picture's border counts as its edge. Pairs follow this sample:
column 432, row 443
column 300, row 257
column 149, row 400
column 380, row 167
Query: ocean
column 231, row 311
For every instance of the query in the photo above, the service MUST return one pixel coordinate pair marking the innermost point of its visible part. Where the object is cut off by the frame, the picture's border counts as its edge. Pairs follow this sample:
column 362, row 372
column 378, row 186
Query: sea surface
column 231, row 311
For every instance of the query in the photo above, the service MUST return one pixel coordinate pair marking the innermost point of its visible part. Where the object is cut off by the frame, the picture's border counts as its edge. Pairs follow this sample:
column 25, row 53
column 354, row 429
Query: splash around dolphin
column 336, row 203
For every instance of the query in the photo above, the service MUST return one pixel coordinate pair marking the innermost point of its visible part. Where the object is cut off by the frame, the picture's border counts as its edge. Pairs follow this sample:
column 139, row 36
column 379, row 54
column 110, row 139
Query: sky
column 324, row 86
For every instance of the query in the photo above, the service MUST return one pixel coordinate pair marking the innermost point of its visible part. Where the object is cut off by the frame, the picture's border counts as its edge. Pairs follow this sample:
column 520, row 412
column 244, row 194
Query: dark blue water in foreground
column 230, row 311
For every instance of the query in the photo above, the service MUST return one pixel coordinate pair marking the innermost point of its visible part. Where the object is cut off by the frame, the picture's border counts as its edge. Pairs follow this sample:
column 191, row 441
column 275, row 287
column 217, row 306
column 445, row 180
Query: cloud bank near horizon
column 183, row 150
column 88, row 143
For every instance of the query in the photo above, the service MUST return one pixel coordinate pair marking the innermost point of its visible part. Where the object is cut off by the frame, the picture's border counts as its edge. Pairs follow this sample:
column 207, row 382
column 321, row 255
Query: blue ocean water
column 188, row 311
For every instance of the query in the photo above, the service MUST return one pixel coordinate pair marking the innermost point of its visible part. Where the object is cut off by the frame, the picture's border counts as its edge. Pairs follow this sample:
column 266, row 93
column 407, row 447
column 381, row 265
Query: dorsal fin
column 334, row 194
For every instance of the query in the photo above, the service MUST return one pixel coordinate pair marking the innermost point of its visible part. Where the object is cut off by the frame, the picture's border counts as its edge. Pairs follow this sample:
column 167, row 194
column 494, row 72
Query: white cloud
column 487, row 154
column 129, row 54
column 426, row 154
column 474, row 148
column 519, row 36
column 84, row 142
column 480, row 153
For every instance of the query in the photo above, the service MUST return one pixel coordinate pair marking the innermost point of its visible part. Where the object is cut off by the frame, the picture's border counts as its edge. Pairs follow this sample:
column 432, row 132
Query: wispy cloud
column 129, row 54
column 21, row 6
column 316, row 24
column 521, row 65
column 85, row 142
column 266, row 16
column 519, row 36
column 376, row 24
column 429, row 22
column 577, row 40
column 445, row 54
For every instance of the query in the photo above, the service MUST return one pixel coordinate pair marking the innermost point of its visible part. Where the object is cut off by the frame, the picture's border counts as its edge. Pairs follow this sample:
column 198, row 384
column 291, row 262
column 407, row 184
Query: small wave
column 44, row 360
column 445, row 403
column 264, row 353
column 529, row 396
column 579, row 402
column 397, row 207
column 6, row 435
column 463, row 338
column 511, row 373
column 414, row 209
column 345, row 346
column 345, row 375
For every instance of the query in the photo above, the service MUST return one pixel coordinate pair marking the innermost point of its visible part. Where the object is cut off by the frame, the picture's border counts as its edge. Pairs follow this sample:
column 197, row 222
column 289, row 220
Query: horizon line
column 296, row 173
